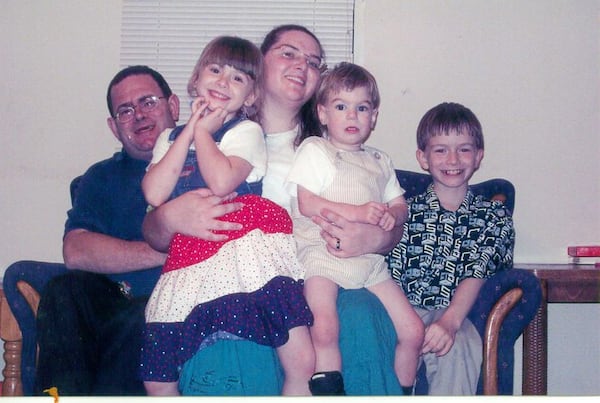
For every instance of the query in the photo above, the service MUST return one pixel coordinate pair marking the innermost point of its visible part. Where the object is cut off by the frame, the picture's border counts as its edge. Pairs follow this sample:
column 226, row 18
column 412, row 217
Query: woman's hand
column 347, row 239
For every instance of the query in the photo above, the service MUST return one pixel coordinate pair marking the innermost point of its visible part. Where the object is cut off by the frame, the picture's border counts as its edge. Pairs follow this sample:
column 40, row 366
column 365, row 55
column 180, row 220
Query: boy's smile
column 451, row 159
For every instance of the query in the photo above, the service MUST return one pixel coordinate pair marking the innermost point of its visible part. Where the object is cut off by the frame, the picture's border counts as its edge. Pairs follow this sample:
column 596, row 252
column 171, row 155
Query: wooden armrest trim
column 11, row 335
column 30, row 294
column 491, row 336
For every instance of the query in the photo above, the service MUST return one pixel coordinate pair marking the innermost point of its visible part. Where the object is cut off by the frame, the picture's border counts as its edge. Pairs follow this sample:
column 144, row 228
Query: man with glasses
column 90, row 320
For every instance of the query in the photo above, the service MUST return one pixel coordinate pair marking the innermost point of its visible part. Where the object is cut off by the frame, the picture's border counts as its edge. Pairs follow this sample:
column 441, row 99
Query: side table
column 566, row 283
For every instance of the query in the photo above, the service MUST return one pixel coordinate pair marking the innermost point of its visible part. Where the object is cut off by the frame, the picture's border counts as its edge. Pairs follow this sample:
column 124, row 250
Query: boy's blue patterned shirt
column 440, row 248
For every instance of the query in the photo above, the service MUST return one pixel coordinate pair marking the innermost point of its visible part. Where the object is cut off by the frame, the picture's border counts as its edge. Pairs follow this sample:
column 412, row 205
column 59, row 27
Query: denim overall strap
column 191, row 178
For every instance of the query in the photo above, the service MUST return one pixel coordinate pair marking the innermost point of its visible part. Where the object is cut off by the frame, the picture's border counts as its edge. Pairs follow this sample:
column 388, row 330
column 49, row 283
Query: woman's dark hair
column 307, row 117
column 137, row 71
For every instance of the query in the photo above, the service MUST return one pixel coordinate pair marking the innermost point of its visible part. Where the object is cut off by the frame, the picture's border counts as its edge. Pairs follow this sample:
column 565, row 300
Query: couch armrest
column 19, row 276
column 515, row 321
column 491, row 339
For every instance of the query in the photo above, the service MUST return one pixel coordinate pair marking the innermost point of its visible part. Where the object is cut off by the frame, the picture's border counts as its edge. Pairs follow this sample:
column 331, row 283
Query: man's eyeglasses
column 293, row 53
column 126, row 113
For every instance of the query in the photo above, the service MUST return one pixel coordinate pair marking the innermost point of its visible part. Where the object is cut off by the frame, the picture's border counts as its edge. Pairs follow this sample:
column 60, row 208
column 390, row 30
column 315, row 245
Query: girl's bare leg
column 297, row 358
column 162, row 388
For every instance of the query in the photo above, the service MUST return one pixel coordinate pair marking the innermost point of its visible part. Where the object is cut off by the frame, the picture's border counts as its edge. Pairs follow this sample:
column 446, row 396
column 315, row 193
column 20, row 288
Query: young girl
column 340, row 173
column 247, row 286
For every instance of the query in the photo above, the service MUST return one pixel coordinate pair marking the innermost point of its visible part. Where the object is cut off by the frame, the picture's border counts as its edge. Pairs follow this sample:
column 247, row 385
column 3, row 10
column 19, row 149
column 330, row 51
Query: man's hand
column 198, row 214
column 195, row 213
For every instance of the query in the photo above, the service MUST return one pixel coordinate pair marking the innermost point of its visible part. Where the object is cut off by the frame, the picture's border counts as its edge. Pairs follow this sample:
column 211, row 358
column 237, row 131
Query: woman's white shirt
column 280, row 155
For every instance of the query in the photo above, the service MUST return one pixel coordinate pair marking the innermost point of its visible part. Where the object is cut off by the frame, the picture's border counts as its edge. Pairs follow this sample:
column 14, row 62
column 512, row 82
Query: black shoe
column 407, row 390
column 328, row 383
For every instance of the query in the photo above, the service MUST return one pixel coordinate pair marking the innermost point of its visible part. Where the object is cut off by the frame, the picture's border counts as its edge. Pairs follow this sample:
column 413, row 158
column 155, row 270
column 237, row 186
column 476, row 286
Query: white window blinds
column 169, row 35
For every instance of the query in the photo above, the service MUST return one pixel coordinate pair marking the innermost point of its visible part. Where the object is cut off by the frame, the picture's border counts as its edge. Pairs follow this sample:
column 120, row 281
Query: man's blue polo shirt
column 109, row 200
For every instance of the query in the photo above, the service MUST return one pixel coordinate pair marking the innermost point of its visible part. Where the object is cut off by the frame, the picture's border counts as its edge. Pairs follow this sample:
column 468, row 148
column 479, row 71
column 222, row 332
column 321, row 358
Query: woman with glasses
column 288, row 117
column 293, row 63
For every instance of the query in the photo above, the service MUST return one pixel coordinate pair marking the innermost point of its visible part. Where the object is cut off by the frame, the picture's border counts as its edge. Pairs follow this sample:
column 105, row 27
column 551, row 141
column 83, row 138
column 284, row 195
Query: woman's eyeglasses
column 292, row 53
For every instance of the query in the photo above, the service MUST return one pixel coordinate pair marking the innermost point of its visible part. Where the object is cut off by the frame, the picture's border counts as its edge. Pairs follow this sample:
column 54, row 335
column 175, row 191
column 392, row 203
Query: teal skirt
column 244, row 368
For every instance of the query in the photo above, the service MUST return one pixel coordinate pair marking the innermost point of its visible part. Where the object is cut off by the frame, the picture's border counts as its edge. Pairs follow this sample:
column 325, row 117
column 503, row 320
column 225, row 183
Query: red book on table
column 584, row 251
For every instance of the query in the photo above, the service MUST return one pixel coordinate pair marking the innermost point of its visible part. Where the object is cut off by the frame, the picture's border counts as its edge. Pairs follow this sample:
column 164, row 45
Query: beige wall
column 56, row 59
column 529, row 69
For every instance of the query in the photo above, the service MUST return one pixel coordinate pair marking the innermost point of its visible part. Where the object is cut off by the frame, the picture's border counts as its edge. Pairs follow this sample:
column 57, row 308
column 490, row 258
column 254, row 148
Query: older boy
column 452, row 242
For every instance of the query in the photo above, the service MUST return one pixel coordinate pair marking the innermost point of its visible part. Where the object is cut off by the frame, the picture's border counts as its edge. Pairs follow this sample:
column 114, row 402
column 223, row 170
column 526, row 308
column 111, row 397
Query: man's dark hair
column 135, row 71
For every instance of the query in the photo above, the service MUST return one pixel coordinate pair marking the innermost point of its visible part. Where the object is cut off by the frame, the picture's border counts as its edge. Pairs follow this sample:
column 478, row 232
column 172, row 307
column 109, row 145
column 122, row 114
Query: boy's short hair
column 347, row 76
column 447, row 118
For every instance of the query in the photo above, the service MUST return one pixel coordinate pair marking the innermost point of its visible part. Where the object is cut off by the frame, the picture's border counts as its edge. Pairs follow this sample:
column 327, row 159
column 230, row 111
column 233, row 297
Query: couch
column 506, row 304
